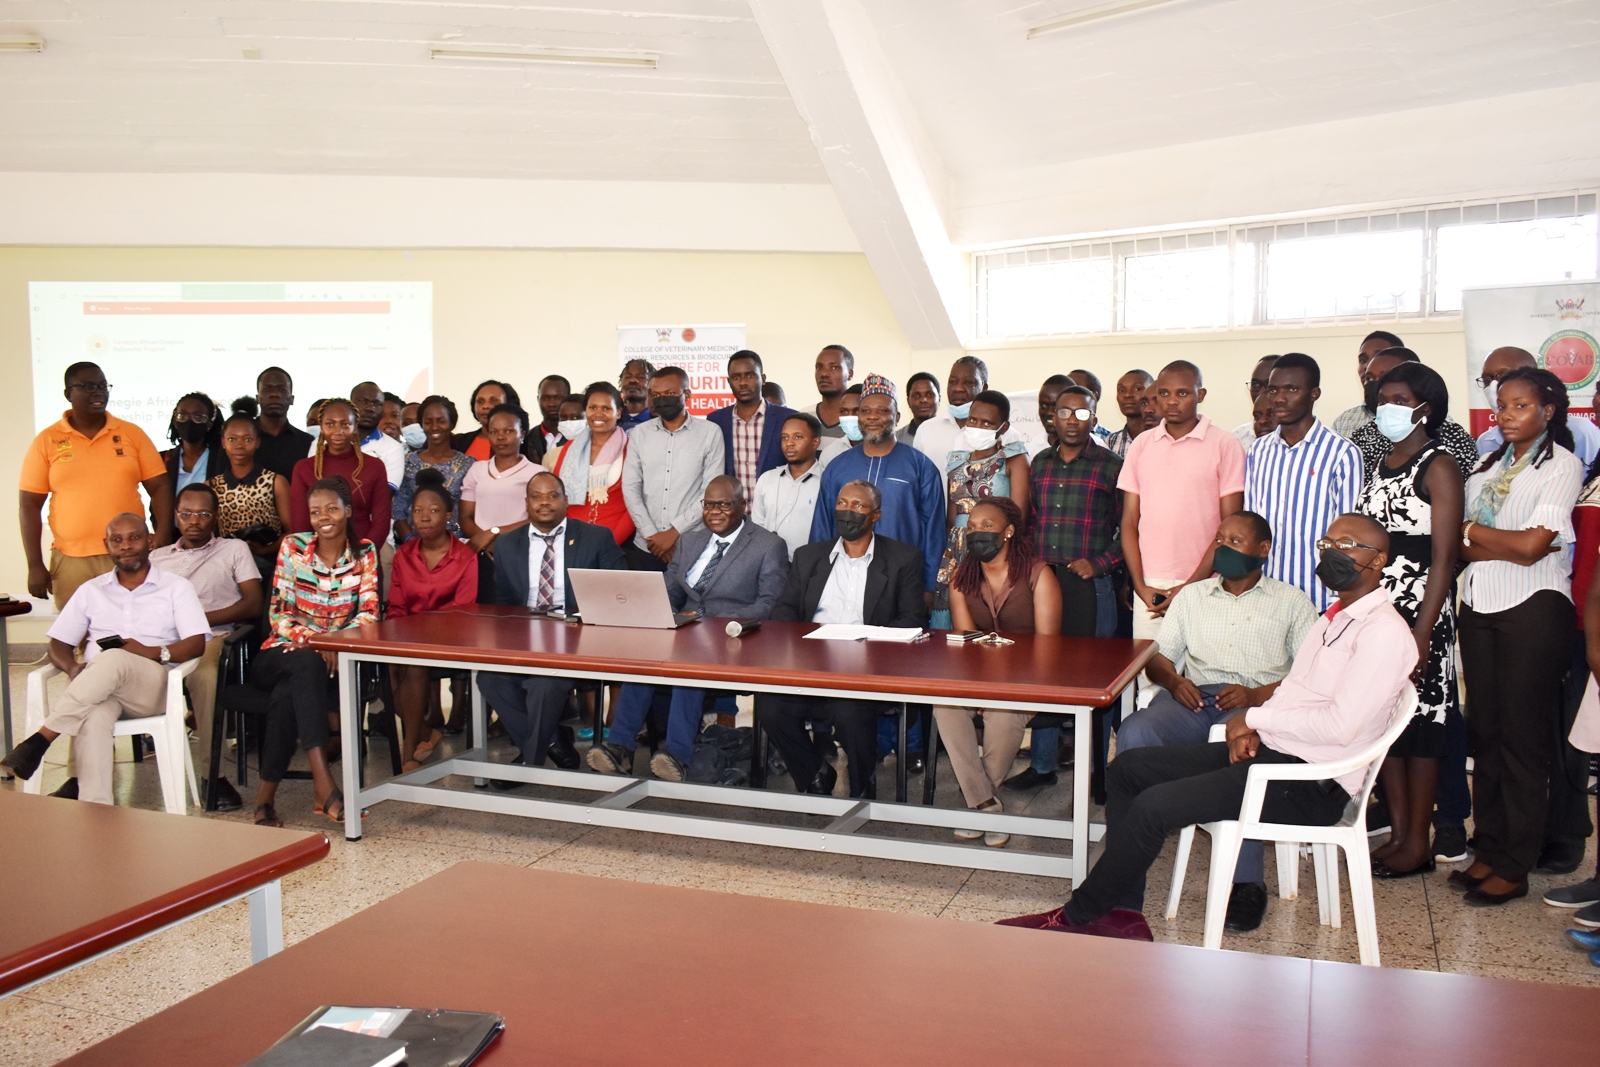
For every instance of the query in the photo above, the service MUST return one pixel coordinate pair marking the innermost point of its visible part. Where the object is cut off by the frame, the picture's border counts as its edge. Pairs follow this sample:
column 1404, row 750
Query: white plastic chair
column 1349, row 833
column 168, row 734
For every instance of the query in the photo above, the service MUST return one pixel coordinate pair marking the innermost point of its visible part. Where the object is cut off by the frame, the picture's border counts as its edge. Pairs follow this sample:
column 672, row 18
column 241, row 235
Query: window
column 1379, row 266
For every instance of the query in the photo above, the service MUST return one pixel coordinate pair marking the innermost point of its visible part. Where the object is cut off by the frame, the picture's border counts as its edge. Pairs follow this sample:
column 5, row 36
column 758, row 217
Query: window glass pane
column 1174, row 290
column 1353, row 274
column 1047, row 298
column 1509, row 253
column 1244, row 283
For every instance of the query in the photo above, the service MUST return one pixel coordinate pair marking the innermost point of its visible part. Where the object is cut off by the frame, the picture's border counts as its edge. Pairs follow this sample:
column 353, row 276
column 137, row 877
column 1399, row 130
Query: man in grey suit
column 729, row 568
column 530, row 570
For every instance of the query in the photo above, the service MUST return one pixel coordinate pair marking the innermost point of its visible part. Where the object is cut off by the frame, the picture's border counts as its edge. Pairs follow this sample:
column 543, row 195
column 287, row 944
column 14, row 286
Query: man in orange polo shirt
column 90, row 465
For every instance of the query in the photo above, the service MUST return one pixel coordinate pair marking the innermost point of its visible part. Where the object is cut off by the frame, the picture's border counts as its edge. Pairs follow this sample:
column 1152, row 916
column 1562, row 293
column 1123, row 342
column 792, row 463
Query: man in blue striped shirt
column 1300, row 477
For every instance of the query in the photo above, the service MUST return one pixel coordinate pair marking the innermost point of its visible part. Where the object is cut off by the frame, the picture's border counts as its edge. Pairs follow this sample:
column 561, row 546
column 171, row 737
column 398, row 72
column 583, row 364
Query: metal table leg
column 266, row 921
column 1080, row 795
column 5, row 673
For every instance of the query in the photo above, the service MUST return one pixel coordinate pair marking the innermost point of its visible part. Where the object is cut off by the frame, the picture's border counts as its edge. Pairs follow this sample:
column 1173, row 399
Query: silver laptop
column 625, row 598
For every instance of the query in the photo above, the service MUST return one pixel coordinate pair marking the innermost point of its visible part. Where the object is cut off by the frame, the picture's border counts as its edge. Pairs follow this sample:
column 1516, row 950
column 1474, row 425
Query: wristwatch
column 166, row 654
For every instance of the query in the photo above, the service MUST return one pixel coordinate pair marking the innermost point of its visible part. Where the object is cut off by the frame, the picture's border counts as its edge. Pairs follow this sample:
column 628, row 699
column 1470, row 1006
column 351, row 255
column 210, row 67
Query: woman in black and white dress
column 1416, row 493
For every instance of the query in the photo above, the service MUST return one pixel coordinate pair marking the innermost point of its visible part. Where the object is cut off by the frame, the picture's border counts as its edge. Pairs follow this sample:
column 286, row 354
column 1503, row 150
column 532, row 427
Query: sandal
column 267, row 815
column 410, row 765
column 425, row 748
column 335, row 797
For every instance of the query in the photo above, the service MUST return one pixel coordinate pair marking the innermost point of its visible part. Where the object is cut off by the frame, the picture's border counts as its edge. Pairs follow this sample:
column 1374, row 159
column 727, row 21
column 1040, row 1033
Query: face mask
column 852, row 525
column 850, row 425
column 1369, row 394
column 973, row 439
column 1395, row 421
column 1338, row 571
column 413, row 436
column 194, row 432
column 570, row 428
column 667, row 408
column 1493, row 392
column 960, row 411
column 1231, row 563
column 983, row 545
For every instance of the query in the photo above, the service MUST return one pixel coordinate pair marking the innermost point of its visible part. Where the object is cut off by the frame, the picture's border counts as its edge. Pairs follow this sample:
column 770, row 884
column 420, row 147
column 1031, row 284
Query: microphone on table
column 740, row 627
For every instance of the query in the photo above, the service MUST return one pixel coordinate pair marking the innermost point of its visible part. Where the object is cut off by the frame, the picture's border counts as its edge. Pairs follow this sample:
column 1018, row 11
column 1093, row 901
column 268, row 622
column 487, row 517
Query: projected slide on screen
column 159, row 340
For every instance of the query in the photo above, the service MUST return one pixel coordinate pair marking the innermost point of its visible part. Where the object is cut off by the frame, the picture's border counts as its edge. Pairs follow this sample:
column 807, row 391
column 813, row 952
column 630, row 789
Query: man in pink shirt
column 1337, row 699
column 1180, row 481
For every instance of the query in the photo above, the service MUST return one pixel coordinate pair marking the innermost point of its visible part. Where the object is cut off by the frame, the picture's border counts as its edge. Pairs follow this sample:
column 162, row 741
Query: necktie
column 711, row 567
column 547, row 572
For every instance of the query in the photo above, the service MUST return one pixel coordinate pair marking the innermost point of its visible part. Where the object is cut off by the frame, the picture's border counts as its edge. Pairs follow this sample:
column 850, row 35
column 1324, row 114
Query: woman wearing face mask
column 979, row 468
column 590, row 466
column 196, row 436
column 436, row 418
column 1000, row 586
column 1415, row 493
column 1516, row 627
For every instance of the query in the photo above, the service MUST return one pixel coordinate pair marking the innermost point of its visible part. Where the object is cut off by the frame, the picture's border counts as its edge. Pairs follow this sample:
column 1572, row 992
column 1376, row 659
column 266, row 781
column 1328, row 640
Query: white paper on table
column 839, row 631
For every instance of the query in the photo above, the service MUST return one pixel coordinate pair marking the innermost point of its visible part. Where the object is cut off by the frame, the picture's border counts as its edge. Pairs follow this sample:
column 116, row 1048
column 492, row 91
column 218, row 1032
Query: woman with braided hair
column 195, row 431
column 336, row 454
column 1516, row 627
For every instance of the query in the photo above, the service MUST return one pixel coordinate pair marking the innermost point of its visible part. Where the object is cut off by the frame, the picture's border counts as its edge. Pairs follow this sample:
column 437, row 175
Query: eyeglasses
column 1344, row 544
column 194, row 515
column 1081, row 414
column 1485, row 380
column 198, row 420
column 717, row 505
column 92, row 387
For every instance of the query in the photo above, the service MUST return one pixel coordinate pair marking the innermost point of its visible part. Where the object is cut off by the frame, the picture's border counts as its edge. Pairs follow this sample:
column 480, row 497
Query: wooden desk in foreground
column 1068, row 675
column 602, row 972
column 81, row 879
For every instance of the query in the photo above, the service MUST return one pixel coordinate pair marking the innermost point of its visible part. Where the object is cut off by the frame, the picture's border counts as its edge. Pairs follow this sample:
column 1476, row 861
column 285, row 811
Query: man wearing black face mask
column 856, row 577
column 1236, row 635
column 1337, row 699
column 670, row 460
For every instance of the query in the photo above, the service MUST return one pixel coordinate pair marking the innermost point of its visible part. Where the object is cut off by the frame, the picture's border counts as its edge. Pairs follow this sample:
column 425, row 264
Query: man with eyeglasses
column 730, row 569
column 90, row 466
column 1498, row 364
column 224, row 575
column 1246, row 431
column 1336, row 700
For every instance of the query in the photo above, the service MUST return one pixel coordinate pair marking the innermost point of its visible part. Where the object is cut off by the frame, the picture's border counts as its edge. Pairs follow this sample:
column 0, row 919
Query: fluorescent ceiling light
column 1094, row 14
column 21, row 44
column 545, row 55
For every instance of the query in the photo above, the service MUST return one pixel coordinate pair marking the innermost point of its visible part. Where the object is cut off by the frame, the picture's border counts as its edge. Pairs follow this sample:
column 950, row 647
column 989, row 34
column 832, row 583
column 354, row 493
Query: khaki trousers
column 1146, row 626
column 980, row 776
column 202, row 689
column 69, row 572
column 115, row 684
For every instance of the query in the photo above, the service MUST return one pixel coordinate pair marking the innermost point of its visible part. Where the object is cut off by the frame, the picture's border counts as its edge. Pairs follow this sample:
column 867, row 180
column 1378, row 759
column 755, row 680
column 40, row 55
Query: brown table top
column 731, row 979
column 83, row 878
column 1050, row 670
column 8, row 608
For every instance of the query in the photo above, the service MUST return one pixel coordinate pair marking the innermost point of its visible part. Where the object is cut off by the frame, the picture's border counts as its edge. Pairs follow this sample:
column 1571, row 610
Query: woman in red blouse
column 434, row 571
column 338, row 452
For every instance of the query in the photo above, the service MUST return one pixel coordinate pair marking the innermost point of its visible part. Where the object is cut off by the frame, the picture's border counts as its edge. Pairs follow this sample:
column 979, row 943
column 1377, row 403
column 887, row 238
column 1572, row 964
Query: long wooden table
column 81, row 880
column 1070, row 675
column 741, row 980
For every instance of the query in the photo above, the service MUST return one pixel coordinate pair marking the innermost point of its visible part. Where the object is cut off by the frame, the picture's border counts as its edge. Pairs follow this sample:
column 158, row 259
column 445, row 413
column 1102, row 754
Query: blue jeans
column 683, row 720
column 1044, row 756
column 1167, row 722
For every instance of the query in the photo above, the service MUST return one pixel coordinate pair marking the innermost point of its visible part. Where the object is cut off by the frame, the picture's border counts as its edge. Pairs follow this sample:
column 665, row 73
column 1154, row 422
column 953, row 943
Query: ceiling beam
column 888, row 181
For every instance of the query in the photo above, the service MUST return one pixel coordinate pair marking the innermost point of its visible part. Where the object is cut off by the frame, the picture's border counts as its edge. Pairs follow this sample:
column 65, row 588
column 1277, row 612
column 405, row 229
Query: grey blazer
column 748, row 579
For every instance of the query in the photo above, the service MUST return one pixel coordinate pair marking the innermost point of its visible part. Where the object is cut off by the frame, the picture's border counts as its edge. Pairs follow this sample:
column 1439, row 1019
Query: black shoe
column 1028, row 779
column 826, row 778
column 1559, row 857
column 1449, row 844
column 914, row 763
column 1378, row 820
column 1381, row 869
column 504, row 785
column 1247, row 906
column 228, row 798
column 562, row 752
column 68, row 790
column 26, row 757
column 1477, row 898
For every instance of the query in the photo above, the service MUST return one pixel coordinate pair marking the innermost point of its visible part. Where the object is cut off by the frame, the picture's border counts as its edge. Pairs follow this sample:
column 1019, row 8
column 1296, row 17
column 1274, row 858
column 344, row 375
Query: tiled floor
column 1422, row 923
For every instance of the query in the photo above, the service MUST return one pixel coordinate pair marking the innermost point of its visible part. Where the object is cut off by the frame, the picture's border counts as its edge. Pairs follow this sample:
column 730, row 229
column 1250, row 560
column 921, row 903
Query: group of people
column 1294, row 575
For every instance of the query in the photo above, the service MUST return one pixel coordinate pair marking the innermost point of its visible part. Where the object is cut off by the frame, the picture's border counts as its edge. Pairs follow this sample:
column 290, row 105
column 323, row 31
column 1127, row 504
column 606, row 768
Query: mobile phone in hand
column 1158, row 599
column 107, row 643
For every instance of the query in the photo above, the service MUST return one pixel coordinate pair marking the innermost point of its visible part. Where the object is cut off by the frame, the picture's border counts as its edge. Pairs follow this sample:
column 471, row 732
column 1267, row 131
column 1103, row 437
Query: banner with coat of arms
column 702, row 351
column 1558, row 322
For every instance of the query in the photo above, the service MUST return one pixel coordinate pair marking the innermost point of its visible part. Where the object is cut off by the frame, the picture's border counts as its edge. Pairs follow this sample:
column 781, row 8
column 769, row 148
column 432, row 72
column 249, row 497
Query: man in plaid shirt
column 1076, row 526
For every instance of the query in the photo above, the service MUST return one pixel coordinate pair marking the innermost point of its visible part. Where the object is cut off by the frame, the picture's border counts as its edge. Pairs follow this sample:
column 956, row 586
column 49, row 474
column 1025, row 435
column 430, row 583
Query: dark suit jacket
column 893, row 592
column 748, row 580
column 588, row 547
column 771, row 454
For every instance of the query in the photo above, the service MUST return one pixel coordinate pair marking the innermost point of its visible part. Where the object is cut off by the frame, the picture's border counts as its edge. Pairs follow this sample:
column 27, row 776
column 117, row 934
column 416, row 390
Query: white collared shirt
column 693, row 574
column 785, row 504
column 844, row 597
column 161, row 610
column 536, row 551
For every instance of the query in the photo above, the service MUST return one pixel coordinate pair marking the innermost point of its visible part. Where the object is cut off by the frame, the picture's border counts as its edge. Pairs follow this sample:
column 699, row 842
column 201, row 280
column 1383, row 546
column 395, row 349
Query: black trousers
column 1514, row 662
column 302, row 695
column 1153, row 791
column 530, row 706
column 855, row 728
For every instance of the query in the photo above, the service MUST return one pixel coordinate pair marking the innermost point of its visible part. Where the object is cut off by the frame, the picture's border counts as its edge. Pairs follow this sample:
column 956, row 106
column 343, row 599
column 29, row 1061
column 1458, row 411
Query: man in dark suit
column 752, row 428
column 730, row 568
column 530, row 570
column 856, row 577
